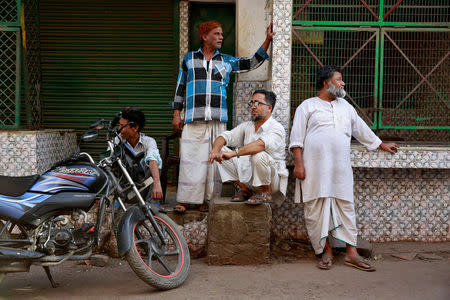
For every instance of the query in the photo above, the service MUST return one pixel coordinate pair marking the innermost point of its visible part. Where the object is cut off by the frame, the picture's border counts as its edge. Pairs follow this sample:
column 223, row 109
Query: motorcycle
column 44, row 219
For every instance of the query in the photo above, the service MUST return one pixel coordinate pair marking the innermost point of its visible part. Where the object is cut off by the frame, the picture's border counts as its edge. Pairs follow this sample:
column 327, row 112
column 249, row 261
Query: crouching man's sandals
column 360, row 264
column 326, row 262
column 259, row 198
column 240, row 196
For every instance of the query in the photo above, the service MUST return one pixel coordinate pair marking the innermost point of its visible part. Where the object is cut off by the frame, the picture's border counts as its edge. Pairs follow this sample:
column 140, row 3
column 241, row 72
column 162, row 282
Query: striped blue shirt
column 201, row 86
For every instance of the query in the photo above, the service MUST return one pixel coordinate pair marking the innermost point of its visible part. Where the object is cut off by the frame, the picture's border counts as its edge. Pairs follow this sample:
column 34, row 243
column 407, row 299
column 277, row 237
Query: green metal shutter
column 99, row 56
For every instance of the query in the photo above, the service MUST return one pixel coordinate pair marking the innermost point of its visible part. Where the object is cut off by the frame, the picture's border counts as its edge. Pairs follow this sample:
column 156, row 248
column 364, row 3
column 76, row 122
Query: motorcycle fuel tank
column 68, row 186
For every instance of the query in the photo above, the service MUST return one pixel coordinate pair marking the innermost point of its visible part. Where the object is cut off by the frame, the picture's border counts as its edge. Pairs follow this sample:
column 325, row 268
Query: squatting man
column 257, row 163
column 132, row 121
column 320, row 141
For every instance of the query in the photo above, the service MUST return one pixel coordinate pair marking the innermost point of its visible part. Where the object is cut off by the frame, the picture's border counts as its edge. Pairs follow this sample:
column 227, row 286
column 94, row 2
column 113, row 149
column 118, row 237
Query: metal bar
column 359, row 109
column 307, row 48
column 422, row 81
column 415, row 68
column 376, row 24
column 359, row 50
column 18, row 79
column 392, row 9
column 322, row 28
column 376, row 80
column 370, row 10
column 380, row 88
column 301, row 9
column 381, row 10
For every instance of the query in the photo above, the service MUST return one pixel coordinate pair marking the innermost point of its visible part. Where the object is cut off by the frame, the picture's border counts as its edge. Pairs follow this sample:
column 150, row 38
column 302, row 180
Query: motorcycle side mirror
column 89, row 135
column 100, row 124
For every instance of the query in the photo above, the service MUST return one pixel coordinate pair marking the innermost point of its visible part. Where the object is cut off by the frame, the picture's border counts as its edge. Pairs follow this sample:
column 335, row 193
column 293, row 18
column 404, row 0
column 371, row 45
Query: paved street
column 299, row 279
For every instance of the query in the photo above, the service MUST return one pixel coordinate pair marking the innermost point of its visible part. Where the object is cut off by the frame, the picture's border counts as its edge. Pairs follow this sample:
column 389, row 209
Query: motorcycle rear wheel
column 161, row 266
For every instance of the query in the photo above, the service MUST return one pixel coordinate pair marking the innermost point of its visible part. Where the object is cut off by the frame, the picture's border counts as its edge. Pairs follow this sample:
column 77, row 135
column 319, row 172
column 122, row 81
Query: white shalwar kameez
column 324, row 130
column 264, row 168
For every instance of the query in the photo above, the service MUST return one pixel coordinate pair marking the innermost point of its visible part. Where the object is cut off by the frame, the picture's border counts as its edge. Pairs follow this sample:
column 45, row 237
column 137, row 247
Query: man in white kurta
column 257, row 165
column 320, row 140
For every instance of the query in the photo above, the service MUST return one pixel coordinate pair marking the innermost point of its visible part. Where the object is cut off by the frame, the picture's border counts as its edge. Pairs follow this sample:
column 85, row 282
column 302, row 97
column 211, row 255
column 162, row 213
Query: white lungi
column 330, row 216
column 197, row 179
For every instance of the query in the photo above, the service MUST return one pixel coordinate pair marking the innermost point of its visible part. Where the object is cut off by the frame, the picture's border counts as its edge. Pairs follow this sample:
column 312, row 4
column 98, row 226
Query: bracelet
column 237, row 152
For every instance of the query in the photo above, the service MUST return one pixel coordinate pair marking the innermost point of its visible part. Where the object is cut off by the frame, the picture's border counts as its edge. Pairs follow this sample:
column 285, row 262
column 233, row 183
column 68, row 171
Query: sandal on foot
column 360, row 264
column 326, row 262
column 240, row 196
column 259, row 198
column 180, row 208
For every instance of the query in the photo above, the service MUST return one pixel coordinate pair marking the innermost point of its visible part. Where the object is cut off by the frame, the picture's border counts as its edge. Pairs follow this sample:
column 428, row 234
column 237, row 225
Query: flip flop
column 360, row 264
column 326, row 262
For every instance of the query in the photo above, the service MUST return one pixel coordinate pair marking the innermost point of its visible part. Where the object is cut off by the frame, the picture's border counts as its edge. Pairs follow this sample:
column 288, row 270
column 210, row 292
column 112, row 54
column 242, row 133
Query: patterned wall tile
column 26, row 153
column 391, row 205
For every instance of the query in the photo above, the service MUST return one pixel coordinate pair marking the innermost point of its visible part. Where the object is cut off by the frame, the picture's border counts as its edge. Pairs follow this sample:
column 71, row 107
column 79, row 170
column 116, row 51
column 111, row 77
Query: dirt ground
column 426, row 278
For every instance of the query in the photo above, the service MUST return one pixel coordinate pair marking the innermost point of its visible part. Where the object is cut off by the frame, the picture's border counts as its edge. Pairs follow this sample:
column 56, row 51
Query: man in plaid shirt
column 201, row 92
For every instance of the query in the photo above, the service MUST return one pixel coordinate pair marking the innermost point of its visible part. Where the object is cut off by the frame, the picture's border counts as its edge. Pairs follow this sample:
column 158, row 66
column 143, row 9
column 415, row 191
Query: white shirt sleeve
column 235, row 136
column 298, row 130
column 362, row 132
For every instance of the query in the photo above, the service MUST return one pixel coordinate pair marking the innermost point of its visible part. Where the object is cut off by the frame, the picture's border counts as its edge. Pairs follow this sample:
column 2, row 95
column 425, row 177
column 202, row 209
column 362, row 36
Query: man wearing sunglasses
column 257, row 163
column 131, row 123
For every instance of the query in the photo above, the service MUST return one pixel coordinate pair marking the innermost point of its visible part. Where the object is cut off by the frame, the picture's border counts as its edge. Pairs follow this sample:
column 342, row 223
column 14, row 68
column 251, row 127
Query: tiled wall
column 24, row 153
column 401, row 197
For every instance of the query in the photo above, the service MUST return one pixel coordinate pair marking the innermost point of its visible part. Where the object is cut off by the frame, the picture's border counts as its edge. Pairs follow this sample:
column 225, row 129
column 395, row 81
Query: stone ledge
column 413, row 157
column 408, row 157
column 238, row 234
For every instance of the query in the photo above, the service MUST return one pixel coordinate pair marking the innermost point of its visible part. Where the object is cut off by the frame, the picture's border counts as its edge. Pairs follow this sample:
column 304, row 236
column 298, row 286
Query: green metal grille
column 398, row 81
column 415, row 67
column 336, row 10
column 418, row 11
column 9, row 12
column 352, row 49
column 33, row 65
column 9, row 77
column 372, row 12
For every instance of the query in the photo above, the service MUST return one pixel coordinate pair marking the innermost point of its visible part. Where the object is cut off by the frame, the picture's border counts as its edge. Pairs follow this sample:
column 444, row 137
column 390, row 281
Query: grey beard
column 336, row 91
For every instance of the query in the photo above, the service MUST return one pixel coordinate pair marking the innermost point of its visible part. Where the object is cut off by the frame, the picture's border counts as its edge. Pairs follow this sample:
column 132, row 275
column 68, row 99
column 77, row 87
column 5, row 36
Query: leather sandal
column 360, row 264
column 260, row 198
column 326, row 262
column 240, row 196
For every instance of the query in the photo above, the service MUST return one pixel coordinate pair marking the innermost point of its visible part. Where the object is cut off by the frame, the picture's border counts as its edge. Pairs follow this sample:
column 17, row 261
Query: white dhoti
column 197, row 180
column 254, row 171
column 330, row 216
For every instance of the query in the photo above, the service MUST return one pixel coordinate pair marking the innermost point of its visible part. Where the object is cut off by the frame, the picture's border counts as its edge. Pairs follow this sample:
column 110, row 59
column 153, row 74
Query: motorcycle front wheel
column 163, row 266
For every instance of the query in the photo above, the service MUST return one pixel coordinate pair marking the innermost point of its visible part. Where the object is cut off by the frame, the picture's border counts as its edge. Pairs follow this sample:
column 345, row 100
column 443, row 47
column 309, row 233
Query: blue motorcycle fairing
column 56, row 204
column 15, row 207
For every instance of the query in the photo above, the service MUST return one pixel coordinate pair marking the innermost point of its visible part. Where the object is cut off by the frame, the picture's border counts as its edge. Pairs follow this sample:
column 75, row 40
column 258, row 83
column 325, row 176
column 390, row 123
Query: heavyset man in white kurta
column 320, row 140
column 257, row 165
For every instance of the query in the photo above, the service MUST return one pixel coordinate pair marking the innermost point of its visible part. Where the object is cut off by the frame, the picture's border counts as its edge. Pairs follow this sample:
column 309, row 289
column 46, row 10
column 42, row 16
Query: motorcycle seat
column 16, row 186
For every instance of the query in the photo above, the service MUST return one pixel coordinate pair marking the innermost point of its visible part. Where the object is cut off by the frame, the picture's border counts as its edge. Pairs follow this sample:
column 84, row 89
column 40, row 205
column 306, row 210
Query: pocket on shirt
column 219, row 72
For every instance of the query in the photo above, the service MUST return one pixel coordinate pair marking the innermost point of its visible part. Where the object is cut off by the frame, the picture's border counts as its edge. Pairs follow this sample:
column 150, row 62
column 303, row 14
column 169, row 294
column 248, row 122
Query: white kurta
column 324, row 130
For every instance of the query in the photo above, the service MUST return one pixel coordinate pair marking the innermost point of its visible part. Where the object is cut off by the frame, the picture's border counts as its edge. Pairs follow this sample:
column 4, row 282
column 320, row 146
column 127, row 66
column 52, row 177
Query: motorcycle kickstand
column 49, row 275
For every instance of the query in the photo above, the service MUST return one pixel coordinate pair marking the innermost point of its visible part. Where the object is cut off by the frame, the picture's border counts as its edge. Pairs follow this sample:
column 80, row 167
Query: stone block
column 238, row 234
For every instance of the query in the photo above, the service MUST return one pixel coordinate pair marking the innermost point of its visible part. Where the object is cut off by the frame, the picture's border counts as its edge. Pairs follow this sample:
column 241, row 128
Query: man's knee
column 260, row 159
